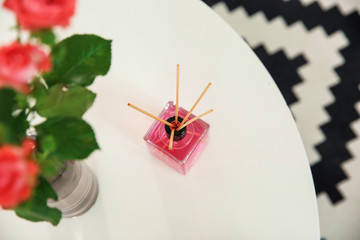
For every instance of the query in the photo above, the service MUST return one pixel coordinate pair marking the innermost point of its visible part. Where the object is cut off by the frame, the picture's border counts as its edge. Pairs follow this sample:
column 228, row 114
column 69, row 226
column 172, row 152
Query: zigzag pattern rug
column 312, row 50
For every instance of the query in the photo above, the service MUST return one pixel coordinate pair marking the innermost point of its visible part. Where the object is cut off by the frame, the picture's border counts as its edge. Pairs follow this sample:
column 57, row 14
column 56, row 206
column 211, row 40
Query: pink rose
column 19, row 64
column 18, row 174
column 40, row 14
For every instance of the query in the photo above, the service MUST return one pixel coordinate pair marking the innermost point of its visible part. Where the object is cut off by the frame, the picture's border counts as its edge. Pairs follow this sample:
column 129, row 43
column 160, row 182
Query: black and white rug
column 312, row 50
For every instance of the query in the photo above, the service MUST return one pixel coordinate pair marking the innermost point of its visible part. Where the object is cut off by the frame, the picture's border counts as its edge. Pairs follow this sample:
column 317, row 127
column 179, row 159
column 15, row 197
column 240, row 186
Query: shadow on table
column 91, row 225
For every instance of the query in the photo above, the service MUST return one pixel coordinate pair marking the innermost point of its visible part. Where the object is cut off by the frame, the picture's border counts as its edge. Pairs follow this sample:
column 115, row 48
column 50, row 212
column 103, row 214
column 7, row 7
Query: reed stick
column 150, row 115
column 197, row 101
column 194, row 119
column 171, row 139
column 177, row 93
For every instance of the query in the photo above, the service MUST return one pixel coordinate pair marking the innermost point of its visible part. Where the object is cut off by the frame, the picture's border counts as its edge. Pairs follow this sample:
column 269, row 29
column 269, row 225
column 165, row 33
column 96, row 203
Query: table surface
column 252, row 180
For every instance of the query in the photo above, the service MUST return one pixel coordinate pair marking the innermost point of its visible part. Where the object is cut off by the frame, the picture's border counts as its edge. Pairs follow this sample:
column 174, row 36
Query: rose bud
column 19, row 64
column 18, row 174
column 41, row 14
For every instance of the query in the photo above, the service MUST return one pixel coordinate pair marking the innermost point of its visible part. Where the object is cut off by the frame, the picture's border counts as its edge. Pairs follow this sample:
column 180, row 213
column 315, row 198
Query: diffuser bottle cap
column 178, row 135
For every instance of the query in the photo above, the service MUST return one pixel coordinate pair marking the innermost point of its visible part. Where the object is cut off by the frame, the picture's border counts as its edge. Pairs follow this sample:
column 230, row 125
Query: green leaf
column 21, row 100
column 71, row 102
column 19, row 126
column 4, row 133
column 74, row 138
column 7, row 102
column 39, row 92
column 78, row 59
column 12, row 126
column 36, row 208
column 49, row 165
column 46, row 36
column 48, row 144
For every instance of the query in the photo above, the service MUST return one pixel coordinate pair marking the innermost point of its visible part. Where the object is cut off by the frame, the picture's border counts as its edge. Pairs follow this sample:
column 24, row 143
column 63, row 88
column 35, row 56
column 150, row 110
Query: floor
column 312, row 50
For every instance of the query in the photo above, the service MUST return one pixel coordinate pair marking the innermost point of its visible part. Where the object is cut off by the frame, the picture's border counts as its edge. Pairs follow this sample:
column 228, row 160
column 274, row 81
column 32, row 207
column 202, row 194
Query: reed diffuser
column 177, row 137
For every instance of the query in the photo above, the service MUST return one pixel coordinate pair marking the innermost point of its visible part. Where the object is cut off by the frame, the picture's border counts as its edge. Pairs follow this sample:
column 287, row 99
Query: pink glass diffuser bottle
column 177, row 137
column 187, row 146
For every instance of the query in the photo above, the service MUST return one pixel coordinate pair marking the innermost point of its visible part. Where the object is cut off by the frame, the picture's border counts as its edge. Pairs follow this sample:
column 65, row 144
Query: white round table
column 252, row 180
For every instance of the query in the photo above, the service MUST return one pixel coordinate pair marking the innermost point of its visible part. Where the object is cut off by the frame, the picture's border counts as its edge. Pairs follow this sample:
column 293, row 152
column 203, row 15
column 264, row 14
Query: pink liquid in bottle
column 186, row 148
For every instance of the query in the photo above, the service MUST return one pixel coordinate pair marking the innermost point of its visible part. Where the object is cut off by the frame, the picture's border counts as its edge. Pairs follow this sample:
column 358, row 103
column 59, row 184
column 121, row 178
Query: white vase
column 77, row 189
